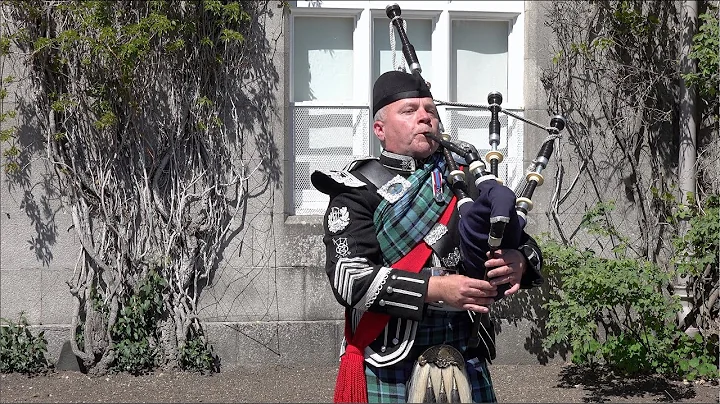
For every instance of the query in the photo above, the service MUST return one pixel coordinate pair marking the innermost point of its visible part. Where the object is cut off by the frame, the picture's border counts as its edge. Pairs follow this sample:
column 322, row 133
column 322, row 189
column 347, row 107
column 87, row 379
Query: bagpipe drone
column 496, row 218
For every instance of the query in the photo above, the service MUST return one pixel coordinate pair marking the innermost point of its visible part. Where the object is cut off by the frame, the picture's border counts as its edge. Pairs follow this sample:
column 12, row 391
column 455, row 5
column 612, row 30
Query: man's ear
column 379, row 129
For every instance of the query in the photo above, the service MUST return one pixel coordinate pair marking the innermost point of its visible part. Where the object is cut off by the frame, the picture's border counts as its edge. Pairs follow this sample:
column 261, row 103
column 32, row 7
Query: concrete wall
column 538, row 56
column 270, row 301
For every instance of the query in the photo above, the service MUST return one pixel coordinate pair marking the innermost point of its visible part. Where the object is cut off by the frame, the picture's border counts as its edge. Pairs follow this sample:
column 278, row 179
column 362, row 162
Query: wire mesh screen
column 472, row 126
column 326, row 138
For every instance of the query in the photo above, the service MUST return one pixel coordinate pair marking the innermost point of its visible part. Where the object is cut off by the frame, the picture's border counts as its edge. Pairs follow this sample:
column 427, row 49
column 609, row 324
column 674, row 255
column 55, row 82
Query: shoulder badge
column 344, row 177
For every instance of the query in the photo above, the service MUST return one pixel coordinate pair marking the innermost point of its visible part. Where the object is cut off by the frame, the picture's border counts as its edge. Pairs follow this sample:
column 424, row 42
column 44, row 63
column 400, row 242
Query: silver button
column 389, row 289
column 381, row 302
column 394, row 277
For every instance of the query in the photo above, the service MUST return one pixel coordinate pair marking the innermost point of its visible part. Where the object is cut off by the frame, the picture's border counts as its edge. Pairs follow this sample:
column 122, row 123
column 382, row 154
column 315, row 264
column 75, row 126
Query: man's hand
column 461, row 292
column 506, row 266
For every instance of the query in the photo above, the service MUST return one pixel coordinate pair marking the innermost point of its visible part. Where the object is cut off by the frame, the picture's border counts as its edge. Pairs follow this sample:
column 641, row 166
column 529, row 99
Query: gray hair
column 380, row 114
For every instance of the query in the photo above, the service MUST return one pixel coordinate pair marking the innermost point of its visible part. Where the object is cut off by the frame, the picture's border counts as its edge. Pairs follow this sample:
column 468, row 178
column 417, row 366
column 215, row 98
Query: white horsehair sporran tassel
column 439, row 377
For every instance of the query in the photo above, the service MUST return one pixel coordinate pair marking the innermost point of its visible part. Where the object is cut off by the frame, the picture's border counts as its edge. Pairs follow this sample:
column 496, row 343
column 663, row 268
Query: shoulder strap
column 375, row 172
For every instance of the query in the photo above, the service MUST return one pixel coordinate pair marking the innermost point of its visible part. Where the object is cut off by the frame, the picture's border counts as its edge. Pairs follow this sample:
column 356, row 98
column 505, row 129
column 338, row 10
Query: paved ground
column 513, row 383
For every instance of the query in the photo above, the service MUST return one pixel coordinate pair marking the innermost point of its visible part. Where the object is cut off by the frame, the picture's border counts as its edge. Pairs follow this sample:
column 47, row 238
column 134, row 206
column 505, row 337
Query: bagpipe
column 497, row 217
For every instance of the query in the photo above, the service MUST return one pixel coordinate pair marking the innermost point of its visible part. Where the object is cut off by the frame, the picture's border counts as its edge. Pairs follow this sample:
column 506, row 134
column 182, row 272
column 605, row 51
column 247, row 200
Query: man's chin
column 424, row 154
column 432, row 148
column 424, row 150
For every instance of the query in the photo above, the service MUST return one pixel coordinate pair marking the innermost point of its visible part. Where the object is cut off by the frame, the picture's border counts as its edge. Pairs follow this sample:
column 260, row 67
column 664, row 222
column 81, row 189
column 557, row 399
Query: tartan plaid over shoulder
column 400, row 226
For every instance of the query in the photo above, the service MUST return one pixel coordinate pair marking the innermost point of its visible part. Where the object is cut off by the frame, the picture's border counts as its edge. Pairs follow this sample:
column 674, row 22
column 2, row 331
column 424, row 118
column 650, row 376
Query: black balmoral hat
column 396, row 85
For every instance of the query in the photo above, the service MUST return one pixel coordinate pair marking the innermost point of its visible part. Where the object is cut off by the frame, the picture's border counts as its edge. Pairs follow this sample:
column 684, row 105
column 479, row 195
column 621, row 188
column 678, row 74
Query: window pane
column 326, row 138
column 419, row 33
column 471, row 125
column 479, row 60
column 323, row 59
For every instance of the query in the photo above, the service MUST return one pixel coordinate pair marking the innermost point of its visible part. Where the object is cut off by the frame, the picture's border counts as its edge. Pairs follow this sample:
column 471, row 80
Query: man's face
column 404, row 127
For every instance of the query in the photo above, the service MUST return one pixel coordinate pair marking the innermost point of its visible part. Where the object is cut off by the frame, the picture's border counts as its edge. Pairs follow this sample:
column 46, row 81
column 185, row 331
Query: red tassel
column 351, row 386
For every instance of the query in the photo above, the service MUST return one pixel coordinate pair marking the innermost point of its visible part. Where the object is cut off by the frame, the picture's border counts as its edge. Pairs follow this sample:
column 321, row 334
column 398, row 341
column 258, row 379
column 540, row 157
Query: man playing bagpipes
column 394, row 262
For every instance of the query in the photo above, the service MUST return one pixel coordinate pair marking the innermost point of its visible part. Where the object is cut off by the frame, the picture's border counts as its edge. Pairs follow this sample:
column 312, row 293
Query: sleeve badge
column 342, row 247
column 338, row 219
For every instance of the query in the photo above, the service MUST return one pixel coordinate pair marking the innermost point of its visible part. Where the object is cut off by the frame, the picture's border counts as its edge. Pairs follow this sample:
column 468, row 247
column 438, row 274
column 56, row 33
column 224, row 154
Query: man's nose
column 424, row 116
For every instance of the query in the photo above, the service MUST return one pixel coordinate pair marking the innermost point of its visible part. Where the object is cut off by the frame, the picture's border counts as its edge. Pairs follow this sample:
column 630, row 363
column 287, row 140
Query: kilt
column 389, row 384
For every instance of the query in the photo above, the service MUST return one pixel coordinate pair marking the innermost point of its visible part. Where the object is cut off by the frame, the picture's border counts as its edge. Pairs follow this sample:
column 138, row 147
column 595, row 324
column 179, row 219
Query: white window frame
column 442, row 13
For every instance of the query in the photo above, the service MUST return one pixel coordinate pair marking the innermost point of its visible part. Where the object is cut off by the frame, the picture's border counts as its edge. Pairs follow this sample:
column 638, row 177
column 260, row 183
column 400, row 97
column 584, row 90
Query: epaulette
column 332, row 181
column 372, row 170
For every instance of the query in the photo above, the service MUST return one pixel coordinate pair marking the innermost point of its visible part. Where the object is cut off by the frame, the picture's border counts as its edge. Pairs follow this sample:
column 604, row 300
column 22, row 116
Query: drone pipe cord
column 534, row 177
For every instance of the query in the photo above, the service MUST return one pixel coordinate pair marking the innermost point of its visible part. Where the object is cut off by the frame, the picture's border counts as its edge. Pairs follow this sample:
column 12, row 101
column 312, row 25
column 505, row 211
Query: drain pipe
column 688, row 144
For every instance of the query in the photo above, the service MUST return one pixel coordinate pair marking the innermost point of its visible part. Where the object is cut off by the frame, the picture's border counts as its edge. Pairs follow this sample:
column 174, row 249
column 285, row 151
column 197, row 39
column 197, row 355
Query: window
column 478, row 59
column 329, row 129
column 339, row 48
column 420, row 35
column 479, row 66
column 319, row 56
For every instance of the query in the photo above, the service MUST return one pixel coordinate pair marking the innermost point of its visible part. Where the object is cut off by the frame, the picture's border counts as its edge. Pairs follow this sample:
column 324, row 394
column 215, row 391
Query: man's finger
column 514, row 289
column 476, row 308
column 499, row 280
column 499, row 272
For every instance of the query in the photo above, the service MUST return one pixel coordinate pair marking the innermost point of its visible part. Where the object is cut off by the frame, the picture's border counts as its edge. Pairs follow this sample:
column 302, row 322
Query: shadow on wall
column 526, row 305
column 32, row 188
column 248, row 112
column 252, row 123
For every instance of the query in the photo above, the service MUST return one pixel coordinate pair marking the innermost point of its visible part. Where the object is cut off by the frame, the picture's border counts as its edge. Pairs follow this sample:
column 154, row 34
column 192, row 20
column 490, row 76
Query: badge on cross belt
column 435, row 233
column 394, row 189
column 452, row 259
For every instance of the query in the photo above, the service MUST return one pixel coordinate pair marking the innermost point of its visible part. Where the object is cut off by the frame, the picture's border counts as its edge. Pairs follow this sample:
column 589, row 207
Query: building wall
column 270, row 301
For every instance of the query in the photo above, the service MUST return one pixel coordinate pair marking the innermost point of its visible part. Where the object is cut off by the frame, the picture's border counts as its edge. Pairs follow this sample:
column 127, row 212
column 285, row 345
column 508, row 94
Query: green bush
column 617, row 311
column 699, row 248
column 136, row 333
column 20, row 350
column 197, row 355
column 706, row 43
column 614, row 311
column 136, row 328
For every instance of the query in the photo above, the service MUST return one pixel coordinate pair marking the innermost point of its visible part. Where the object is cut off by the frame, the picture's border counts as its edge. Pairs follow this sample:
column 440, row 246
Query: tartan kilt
column 389, row 384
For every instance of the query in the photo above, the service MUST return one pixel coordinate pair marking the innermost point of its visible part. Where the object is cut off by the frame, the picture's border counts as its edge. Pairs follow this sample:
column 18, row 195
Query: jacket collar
column 398, row 162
